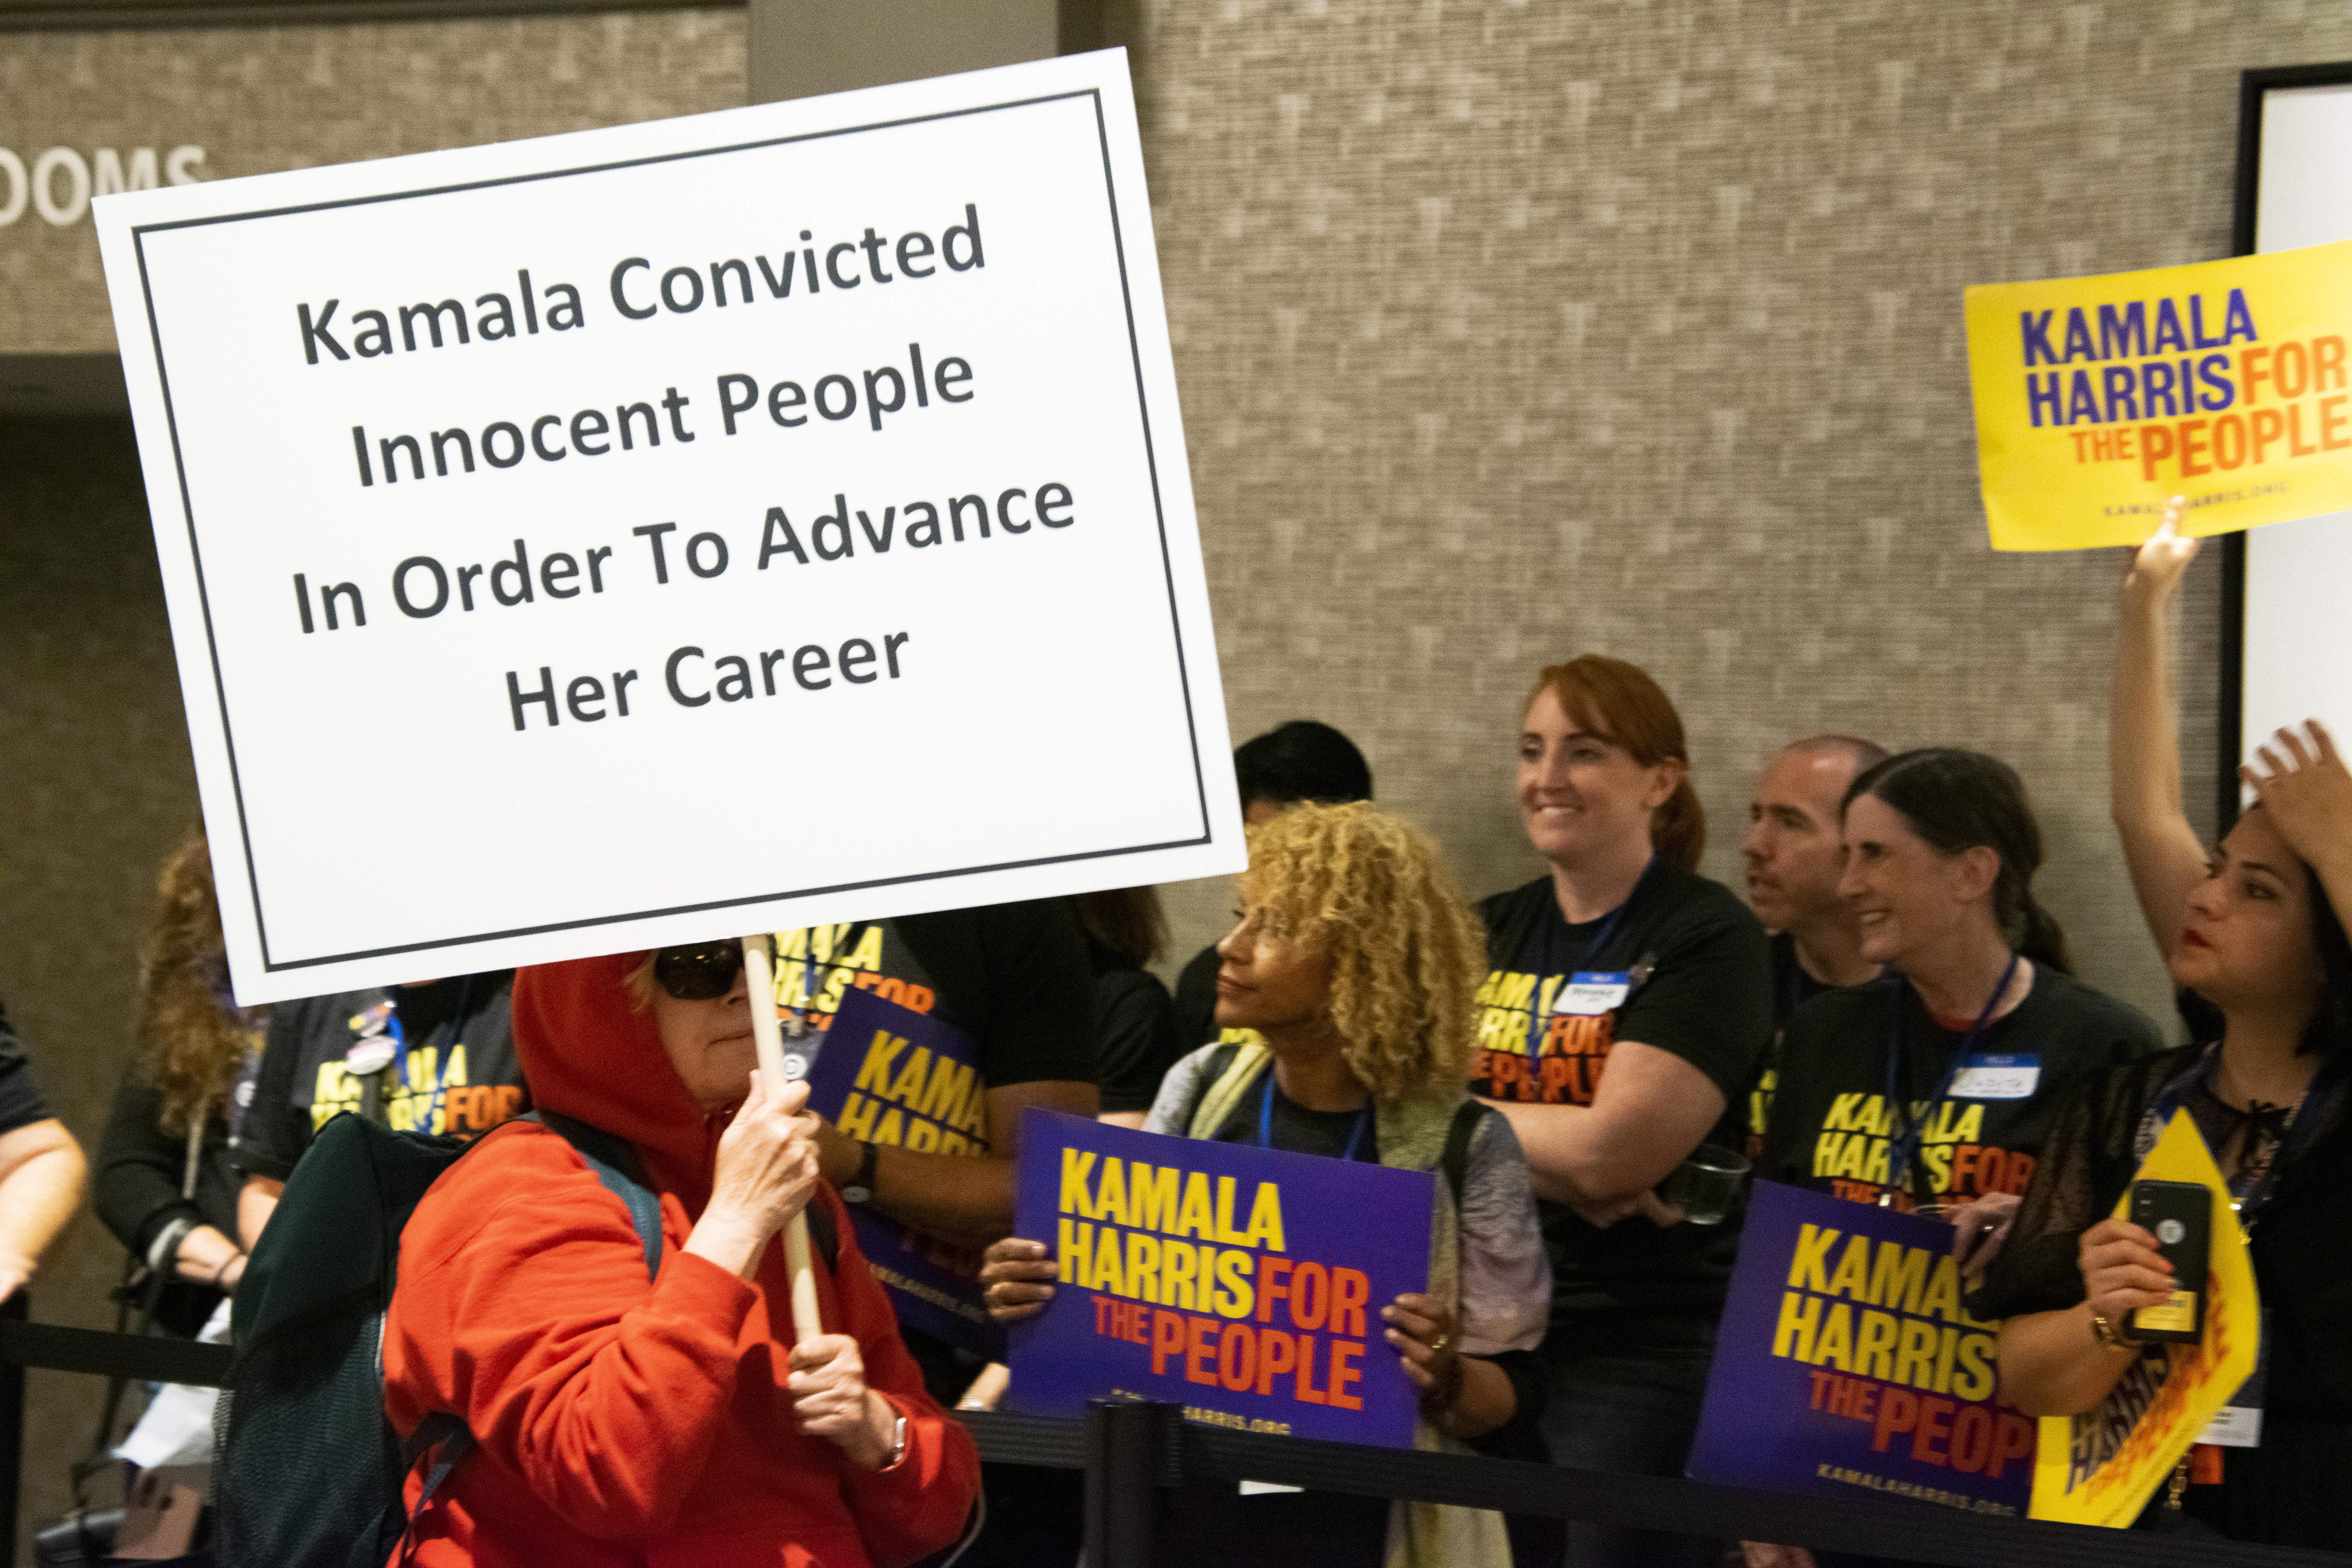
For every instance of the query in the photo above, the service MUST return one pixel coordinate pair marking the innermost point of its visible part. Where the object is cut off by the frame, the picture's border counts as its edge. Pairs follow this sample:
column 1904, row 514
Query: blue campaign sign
column 1846, row 1361
column 1242, row 1284
column 888, row 1074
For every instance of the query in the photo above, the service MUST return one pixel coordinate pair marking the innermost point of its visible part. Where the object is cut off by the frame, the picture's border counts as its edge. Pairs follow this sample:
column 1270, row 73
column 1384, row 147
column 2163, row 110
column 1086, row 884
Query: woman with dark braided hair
column 163, row 1185
column 1935, row 1086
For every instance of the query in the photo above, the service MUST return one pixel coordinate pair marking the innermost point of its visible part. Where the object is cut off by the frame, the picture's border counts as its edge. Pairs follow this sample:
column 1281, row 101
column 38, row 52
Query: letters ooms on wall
column 59, row 181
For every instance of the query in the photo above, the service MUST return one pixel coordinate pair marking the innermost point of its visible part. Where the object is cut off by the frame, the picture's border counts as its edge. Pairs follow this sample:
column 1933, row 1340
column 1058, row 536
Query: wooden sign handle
column 768, row 1037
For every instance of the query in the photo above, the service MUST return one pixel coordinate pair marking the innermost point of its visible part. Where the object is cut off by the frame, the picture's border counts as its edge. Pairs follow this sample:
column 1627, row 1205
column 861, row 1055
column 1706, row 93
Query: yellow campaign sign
column 2101, row 1467
column 2097, row 399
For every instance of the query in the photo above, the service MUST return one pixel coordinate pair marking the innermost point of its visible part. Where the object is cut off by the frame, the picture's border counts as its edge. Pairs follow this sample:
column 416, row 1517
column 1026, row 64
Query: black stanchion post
column 12, row 1431
column 1127, row 1441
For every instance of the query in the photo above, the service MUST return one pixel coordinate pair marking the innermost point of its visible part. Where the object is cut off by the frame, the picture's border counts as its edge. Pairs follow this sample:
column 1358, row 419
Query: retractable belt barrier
column 1129, row 1450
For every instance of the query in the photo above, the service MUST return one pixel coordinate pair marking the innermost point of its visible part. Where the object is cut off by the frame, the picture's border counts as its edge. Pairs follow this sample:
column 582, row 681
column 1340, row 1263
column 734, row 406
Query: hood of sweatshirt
column 587, row 1053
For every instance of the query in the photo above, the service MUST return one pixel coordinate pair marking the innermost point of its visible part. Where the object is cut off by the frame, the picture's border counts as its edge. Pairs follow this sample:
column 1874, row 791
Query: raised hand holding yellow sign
column 2224, row 382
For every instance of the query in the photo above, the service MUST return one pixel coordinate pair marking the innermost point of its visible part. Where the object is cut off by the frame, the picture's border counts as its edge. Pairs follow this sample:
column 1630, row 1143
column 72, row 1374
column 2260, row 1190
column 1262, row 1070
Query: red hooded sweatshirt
column 623, row 1421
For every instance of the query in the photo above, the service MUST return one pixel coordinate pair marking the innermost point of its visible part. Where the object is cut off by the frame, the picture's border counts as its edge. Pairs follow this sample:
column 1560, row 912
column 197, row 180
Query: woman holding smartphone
column 2253, row 935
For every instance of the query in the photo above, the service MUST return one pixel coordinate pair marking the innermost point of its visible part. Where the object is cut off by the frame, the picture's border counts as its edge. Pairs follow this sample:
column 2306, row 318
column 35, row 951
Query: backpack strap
column 457, row 1441
column 1228, row 1072
column 615, row 1161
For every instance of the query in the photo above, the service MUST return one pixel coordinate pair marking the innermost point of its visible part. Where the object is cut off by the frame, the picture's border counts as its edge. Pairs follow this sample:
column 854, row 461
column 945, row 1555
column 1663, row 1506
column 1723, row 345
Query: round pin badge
column 368, row 1057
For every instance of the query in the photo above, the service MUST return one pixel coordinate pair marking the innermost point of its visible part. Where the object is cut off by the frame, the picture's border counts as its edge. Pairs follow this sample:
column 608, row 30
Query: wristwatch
column 898, row 1432
column 859, row 1188
column 2110, row 1334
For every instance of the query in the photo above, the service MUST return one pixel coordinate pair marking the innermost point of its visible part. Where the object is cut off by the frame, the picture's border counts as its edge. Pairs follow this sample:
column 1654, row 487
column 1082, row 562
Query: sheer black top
column 2292, row 1490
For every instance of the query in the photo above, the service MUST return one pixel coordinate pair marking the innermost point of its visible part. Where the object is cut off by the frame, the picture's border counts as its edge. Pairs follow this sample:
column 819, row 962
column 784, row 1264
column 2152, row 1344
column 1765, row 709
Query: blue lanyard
column 1902, row 1150
column 457, row 1033
column 1593, row 951
column 1266, row 1121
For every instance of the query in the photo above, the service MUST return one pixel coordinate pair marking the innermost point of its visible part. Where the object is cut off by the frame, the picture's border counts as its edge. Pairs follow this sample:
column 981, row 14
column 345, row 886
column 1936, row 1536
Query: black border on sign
column 220, row 693
column 2230, row 728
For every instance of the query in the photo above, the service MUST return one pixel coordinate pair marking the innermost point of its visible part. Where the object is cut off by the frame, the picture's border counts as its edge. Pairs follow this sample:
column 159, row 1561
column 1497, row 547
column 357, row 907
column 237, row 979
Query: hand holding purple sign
column 1241, row 1283
column 1846, row 1359
column 889, row 1075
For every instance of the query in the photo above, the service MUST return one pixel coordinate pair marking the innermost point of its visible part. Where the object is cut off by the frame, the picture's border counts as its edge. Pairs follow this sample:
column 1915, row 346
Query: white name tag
column 1590, row 993
column 1983, row 1077
column 2234, row 1426
column 2239, row 1424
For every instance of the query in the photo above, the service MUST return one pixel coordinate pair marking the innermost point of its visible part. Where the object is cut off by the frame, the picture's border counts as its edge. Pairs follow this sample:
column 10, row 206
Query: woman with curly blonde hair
column 1354, row 961
column 165, row 1186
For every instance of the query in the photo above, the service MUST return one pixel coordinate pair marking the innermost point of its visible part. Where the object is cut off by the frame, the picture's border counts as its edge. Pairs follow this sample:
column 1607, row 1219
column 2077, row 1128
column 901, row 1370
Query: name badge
column 1983, row 1077
column 2239, row 1424
column 1593, row 992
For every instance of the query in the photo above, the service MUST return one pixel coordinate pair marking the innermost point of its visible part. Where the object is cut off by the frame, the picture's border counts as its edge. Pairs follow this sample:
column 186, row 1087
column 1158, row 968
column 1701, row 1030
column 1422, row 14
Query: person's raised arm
column 1603, row 1160
column 42, row 1178
column 2144, row 791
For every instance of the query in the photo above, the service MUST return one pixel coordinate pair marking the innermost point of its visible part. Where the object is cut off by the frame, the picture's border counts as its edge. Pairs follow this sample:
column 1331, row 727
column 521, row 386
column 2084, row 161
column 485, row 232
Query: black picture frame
column 2229, row 731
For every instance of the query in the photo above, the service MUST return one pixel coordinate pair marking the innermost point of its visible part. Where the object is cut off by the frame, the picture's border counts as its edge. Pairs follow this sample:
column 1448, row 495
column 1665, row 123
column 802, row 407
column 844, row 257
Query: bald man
column 1795, row 850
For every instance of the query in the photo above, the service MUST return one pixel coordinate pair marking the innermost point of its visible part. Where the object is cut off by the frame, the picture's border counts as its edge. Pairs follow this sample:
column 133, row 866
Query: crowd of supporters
column 1577, row 1040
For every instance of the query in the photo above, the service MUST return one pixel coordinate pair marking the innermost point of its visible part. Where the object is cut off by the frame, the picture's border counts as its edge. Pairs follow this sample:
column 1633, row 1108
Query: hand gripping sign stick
column 759, row 975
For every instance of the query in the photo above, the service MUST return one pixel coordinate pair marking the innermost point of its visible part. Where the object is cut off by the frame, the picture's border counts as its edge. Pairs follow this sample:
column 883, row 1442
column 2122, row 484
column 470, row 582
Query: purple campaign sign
column 1242, row 1284
column 888, row 1074
column 1846, row 1360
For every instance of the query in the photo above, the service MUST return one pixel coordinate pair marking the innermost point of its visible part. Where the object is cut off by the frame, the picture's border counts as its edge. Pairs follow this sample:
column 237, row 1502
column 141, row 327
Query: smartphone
column 2179, row 1215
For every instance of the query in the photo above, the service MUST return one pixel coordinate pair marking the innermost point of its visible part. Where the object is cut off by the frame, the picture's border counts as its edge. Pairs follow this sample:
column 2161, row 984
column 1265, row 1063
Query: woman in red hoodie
column 623, row 1421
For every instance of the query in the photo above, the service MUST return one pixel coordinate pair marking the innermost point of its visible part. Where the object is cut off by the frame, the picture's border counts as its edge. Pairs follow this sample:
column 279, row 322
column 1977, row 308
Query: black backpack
column 307, row 1472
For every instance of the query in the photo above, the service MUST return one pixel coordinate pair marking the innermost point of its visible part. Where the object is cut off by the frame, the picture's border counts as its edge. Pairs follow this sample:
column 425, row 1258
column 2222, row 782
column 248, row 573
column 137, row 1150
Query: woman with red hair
column 622, row 1420
column 1627, row 1003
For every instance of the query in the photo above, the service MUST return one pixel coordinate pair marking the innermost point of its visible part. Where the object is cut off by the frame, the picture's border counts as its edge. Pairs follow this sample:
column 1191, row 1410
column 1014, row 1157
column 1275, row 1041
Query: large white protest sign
column 647, row 534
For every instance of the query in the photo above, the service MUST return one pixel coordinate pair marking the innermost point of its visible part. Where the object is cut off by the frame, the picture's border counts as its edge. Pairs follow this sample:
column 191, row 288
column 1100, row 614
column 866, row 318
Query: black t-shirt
column 1830, row 1129
column 22, row 1103
column 1293, row 1129
column 452, row 1069
column 1196, row 1002
column 1699, row 979
column 1135, row 1030
column 1015, row 976
column 1791, row 989
column 1791, row 986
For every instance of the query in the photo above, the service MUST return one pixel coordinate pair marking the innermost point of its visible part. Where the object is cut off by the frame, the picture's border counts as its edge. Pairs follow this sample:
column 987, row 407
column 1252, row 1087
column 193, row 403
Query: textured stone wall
column 1510, row 332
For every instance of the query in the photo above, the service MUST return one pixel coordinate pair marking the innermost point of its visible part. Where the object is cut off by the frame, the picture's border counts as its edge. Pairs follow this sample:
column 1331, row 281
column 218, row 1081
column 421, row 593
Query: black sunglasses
column 703, row 973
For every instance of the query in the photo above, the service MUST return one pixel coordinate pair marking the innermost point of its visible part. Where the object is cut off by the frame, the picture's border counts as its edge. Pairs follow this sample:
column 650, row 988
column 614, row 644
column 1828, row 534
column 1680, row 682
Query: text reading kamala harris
column 1121, row 1237
column 757, row 403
